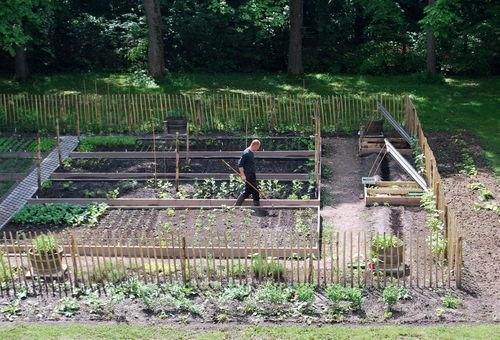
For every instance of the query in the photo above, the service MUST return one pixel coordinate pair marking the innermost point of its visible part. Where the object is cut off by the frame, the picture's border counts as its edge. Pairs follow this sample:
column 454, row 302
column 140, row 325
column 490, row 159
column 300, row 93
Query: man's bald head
column 255, row 145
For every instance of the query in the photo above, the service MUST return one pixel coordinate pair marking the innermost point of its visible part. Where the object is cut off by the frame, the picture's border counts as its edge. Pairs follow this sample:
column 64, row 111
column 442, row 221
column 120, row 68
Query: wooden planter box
column 406, row 193
column 373, row 144
column 46, row 265
column 174, row 125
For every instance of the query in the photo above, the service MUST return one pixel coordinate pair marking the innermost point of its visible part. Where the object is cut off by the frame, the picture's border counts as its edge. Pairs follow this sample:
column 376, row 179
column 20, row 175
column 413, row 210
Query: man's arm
column 242, row 174
column 241, row 165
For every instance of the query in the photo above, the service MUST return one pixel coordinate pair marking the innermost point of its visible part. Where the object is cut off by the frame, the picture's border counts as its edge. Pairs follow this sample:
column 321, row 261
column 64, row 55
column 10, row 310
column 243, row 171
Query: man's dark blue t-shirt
column 247, row 162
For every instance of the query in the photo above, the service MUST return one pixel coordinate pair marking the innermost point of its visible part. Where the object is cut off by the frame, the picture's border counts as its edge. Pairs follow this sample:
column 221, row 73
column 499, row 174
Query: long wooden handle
column 237, row 173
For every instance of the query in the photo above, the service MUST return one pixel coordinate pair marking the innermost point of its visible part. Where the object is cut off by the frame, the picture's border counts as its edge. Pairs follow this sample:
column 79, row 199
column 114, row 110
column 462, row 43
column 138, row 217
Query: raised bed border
column 297, row 154
column 384, row 189
column 113, row 176
column 172, row 203
column 373, row 144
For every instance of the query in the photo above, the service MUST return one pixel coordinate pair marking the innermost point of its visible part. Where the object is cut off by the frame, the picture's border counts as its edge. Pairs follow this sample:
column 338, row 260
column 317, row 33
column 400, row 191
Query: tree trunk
column 21, row 63
column 431, row 50
column 295, row 44
column 156, row 58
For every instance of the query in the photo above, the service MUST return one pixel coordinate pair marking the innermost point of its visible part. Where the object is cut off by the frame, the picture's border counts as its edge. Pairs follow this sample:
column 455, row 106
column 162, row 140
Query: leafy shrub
column 68, row 307
column 337, row 293
column 44, row 244
column 60, row 214
column 261, row 267
column 392, row 294
column 272, row 293
column 380, row 241
column 304, row 293
column 12, row 310
column 449, row 301
column 89, row 144
column 6, row 272
column 108, row 272
column 237, row 292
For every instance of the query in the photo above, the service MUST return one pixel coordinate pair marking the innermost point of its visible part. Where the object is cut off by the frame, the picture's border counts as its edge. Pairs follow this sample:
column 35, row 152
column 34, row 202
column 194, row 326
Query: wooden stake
column 38, row 161
column 177, row 161
column 58, row 142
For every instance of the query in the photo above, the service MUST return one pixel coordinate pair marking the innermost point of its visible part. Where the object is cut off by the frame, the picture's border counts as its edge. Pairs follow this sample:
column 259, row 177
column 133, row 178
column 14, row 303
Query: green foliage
column 304, row 292
column 237, row 292
column 304, row 221
column 108, row 272
column 272, row 293
column 262, row 267
column 12, row 310
column 44, row 245
column 449, row 301
column 418, row 156
column 436, row 239
column 381, row 241
column 6, row 271
column 392, row 294
column 91, row 143
column 338, row 293
column 68, row 307
column 60, row 214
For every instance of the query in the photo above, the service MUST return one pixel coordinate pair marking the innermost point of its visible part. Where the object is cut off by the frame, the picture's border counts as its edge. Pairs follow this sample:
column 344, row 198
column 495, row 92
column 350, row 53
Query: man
column 246, row 167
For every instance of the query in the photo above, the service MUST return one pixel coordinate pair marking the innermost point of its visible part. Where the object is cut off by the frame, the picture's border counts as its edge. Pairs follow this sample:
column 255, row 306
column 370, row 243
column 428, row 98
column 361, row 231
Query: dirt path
column 347, row 212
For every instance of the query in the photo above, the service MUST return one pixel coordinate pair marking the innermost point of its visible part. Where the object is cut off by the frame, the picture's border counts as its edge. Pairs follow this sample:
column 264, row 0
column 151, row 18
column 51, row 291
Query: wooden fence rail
column 223, row 112
column 346, row 258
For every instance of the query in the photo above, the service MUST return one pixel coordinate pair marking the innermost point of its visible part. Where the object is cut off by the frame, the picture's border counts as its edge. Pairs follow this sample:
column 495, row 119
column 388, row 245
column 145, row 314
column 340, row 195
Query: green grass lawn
column 123, row 331
column 471, row 104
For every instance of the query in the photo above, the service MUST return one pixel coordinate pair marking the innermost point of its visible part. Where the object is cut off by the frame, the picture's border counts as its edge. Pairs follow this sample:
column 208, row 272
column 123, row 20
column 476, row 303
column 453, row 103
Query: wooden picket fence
column 340, row 258
column 453, row 237
column 217, row 112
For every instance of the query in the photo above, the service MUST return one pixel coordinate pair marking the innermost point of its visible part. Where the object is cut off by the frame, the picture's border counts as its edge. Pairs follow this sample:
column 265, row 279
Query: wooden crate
column 373, row 144
column 406, row 193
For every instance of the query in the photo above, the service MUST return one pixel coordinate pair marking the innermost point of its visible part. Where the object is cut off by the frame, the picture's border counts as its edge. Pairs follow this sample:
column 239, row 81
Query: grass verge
column 122, row 331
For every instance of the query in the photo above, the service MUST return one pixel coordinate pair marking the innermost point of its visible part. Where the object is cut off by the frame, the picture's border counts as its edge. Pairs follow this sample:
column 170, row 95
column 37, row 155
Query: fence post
column 177, row 161
column 73, row 258
column 183, row 259
column 38, row 161
column 458, row 263
column 58, row 141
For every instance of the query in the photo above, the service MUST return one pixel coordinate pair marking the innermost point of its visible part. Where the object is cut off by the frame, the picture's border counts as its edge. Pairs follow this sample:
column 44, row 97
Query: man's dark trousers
column 250, row 185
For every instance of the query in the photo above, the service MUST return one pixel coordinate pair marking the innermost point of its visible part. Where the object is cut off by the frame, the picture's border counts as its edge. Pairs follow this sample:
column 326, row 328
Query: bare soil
column 188, row 189
column 217, row 143
column 195, row 166
column 479, row 228
column 199, row 226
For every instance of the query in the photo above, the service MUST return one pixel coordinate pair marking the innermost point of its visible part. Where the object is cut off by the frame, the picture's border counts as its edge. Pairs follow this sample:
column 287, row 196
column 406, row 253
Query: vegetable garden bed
column 241, row 224
column 393, row 192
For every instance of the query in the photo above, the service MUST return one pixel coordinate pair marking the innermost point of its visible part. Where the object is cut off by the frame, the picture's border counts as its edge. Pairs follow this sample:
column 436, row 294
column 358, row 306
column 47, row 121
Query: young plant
column 392, row 294
column 44, row 245
column 68, row 307
column 304, row 293
column 261, row 267
column 113, row 194
column 449, row 301
column 12, row 310
column 338, row 293
column 47, row 184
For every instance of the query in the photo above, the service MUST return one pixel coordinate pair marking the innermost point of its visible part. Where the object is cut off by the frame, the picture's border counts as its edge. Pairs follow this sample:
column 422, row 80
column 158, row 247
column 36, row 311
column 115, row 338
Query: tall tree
column 431, row 49
column 295, row 43
column 14, row 38
column 156, row 57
